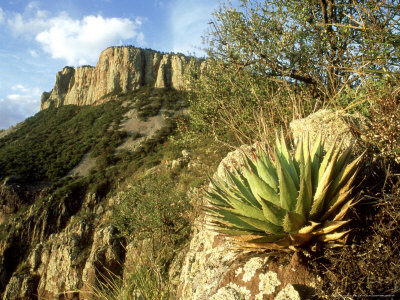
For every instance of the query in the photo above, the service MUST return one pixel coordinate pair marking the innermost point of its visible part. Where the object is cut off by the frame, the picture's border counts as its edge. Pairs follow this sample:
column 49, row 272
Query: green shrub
column 48, row 145
column 153, row 207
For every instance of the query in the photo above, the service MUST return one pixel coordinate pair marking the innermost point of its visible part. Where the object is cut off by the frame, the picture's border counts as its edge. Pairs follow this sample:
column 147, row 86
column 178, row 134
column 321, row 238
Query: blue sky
column 39, row 38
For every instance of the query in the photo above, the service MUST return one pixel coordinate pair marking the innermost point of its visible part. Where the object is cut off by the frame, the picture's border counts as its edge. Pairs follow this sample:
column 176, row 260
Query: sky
column 39, row 38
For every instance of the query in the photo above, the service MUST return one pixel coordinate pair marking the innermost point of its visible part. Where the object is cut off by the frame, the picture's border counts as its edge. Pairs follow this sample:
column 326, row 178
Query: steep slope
column 119, row 69
column 56, row 237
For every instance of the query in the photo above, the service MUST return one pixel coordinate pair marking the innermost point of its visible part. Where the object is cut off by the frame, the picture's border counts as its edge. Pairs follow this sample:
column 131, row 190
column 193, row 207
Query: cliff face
column 119, row 69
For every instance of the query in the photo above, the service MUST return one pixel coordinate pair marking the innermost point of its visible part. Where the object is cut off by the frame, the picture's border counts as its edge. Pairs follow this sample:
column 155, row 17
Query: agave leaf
column 218, row 184
column 216, row 199
column 299, row 156
column 326, row 162
column 330, row 226
column 345, row 178
column 277, row 245
column 260, row 188
column 338, row 203
column 265, row 225
column 299, row 239
column 262, row 155
column 323, row 187
column 318, row 204
column 293, row 222
column 265, row 173
column 286, row 161
column 244, row 190
column 304, row 199
column 233, row 232
column 342, row 160
column 309, row 228
column 339, row 216
column 287, row 190
column 264, row 239
column 273, row 213
column 316, row 158
column 230, row 219
column 332, row 236
column 244, row 209
column 249, row 164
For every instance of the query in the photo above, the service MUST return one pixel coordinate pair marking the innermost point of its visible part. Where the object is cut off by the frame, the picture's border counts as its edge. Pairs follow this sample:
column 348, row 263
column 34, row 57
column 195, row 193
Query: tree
column 326, row 43
column 317, row 49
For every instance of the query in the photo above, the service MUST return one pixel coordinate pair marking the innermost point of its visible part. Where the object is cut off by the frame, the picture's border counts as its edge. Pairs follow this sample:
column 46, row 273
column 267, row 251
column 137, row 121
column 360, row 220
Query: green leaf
column 245, row 209
column 293, row 222
column 216, row 199
column 286, row 161
column 316, row 158
column 287, row 190
column 260, row 188
column 262, row 225
column 273, row 213
column 232, row 220
column 266, row 175
column 270, row 166
column 244, row 190
column 324, row 164
column 304, row 200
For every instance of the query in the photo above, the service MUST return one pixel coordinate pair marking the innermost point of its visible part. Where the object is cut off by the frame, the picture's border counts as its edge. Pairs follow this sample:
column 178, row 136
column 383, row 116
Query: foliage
column 238, row 107
column 49, row 144
column 153, row 207
column 327, row 44
column 291, row 202
column 274, row 61
column 148, row 102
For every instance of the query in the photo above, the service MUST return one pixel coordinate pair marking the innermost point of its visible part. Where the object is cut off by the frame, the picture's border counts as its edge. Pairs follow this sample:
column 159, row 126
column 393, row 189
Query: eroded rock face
column 119, row 69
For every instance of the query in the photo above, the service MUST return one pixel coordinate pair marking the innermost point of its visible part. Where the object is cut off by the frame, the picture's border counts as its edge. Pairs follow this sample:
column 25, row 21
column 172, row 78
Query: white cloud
column 20, row 88
column 189, row 21
column 76, row 41
column 18, row 106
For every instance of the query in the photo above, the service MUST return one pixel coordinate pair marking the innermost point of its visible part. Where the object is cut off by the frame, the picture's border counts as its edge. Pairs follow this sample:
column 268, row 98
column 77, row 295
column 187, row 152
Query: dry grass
column 370, row 264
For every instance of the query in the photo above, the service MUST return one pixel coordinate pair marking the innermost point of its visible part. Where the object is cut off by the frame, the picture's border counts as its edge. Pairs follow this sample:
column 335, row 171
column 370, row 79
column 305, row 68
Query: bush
column 153, row 207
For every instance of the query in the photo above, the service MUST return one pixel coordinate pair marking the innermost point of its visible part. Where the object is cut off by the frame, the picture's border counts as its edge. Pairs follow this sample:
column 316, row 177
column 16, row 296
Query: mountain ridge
column 119, row 69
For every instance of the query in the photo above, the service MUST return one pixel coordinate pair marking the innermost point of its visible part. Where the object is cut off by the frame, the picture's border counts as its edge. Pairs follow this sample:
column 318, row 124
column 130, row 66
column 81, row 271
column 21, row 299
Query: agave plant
column 286, row 202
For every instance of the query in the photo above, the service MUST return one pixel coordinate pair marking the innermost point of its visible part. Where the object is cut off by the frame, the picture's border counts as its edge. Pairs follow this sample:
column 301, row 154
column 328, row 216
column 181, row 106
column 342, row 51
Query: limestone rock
column 21, row 287
column 331, row 124
column 105, row 259
column 119, row 69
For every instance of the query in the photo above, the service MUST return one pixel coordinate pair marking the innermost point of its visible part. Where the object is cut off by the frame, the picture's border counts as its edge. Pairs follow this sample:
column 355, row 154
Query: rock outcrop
column 119, row 69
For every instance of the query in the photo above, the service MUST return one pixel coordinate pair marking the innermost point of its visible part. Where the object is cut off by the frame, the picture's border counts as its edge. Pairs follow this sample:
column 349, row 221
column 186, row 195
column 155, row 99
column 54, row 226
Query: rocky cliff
column 119, row 69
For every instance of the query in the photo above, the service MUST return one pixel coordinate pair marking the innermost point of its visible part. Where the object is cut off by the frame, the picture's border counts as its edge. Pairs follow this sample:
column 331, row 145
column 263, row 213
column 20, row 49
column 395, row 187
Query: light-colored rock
column 60, row 268
column 119, row 69
column 331, row 124
column 20, row 287
column 105, row 259
column 288, row 293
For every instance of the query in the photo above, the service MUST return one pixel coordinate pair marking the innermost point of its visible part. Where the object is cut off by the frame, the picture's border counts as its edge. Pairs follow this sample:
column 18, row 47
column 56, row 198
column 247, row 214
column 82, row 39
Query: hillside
column 123, row 186
column 69, row 176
